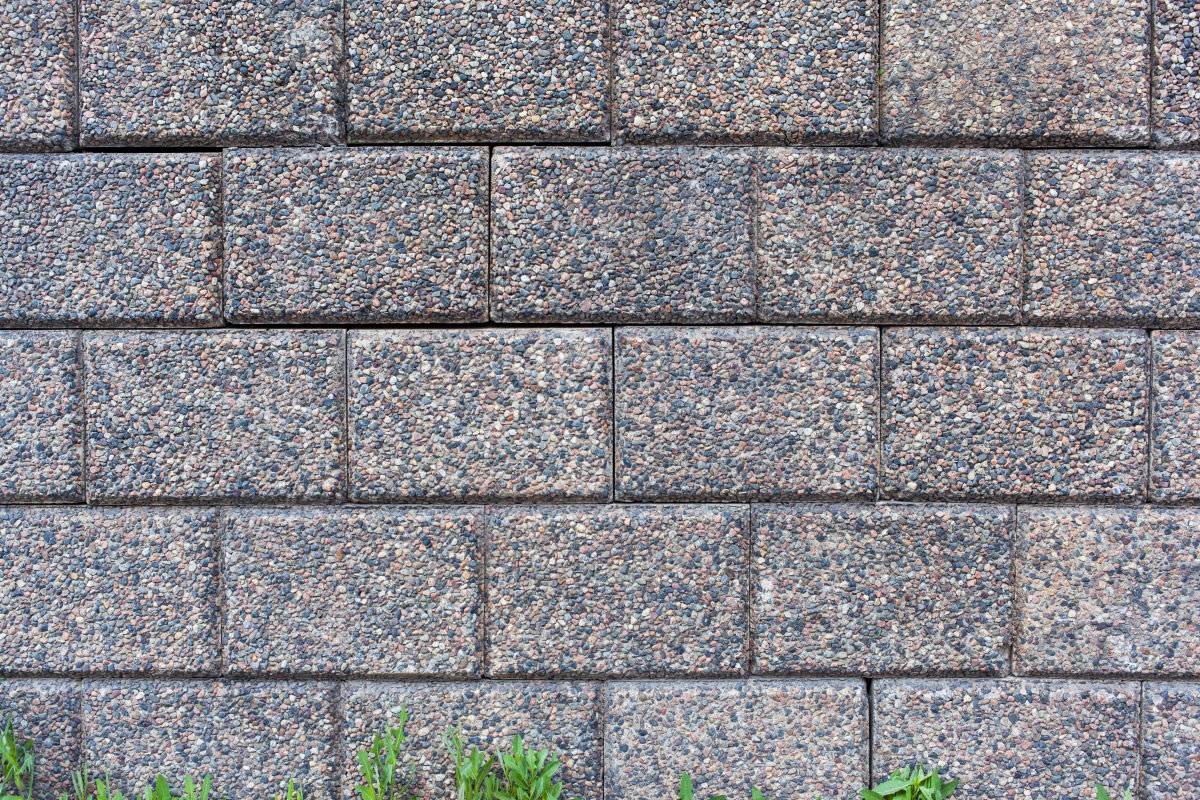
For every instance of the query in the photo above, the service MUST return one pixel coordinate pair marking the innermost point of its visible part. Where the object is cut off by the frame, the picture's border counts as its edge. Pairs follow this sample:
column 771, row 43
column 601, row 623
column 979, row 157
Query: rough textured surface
column 1016, row 71
column 1177, row 72
column 1011, row 738
column 1170, row 739
column 366, row 235
column 1175, row 446
column 41, row 417
column 889, row 235
column 715, row 731
column 622, row 235
column 744, row 71
column 110, row 240
column 1113, row 237
column 1108, row 591
column 381, row 591
column 250, row 415
column 745, row 413
column 562, row 716
column 617, row 590
column 882, row 589
column 46, row 712
column 37, row 82
column 209, row 71
column 251, row 737
column 480, row 415
column 103, row 590
column 452, row 70
column 1019, row 413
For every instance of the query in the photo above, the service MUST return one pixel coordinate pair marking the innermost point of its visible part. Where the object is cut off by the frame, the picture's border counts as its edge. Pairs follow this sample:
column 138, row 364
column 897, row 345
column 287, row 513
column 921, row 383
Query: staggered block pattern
column 781, row 392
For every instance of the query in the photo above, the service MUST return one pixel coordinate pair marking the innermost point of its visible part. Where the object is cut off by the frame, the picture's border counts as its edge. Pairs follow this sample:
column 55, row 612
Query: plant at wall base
column 686, row 791
column 161, row 789
column 294, row 791
column 83, row 788
column 912, row 783
column 16, row 765
column 473, row 778
column 1102, row 794
column 380, row 767
column 528, row 774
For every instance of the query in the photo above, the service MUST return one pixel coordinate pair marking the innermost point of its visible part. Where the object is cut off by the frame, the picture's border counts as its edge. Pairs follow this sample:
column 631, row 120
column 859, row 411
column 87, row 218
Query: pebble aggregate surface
column 1113, row 237
column 547, row 714
column 1014, row 413
column 456, row 70
column 209, row 72
column 41, row 415
column 1031, row 72
column 480, row 415
column 1170, row 739
column 107, row 590
column 730, row 735
column 617, row 590
column 359, row 591
column 1177, row 72
column 766, row 413
column 861, row 589
column 1010, row 737
column 47, row 712
column 110, row 240
column 901, row 235
column 366, row 235
column 744, row 71
column 250, row 736
column 37, row 81
column 1175, row 445
column 206, row 415
column 1108, row 591
column 622, row 235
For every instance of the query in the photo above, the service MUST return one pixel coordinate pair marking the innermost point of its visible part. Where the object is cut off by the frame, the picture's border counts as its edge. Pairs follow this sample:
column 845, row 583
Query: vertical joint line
column 878, row 71
column 346, row 416
column 343, row 77
column 610, row 51
column 1016, row 555
column 1151, row 71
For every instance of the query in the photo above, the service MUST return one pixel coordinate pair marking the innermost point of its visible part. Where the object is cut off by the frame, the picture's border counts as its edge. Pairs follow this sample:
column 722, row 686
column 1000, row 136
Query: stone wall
column 779, row 391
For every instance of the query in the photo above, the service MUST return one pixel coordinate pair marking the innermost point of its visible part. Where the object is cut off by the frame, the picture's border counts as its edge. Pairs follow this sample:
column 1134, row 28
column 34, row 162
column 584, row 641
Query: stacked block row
column 629, row 740
column 601, row 591
column 552, row 415
column 104, row 73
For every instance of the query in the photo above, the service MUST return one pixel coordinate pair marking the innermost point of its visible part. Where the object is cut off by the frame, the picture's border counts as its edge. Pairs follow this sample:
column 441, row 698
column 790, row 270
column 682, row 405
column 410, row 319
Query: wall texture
column 781, row 391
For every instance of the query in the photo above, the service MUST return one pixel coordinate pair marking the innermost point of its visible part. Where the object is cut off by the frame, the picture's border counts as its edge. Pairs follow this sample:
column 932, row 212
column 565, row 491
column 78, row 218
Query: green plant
column 685, row 790
column 911, row 783
column 473, row 776
column 1102, row 794
column 379, row 765
column 16, row 765
column 82, row 788
column 294, row 791
column 528, row 774
column 161, row 789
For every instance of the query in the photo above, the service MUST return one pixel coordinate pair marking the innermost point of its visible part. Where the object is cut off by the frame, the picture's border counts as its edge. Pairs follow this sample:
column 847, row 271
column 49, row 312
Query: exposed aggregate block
column 45, row 712
column 480, row 415
column 110, row 240
column 852, row 235
column 563, row 717
column 797, row 739
column 41, row 417
column 1177, row 72
column 747, row 71
column 617, row 590
column 1010, row 737
column 378, row 591
column 206, row 415
column 103, row 590
column 1033, row 72
column 251, row 737
column 1175, row 446
column 360, row 235
column 1170, row 739
column 1108, row 591
column 1113, row 237
column 763, row 413
column 622, row 235
column 452, row 70
column 209, row 72
column 1014, row 413
column 37, row 83
column 882, row 589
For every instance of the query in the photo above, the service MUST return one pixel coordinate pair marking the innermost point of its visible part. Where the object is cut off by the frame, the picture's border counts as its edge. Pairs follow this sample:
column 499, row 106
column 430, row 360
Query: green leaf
column 685, row 787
